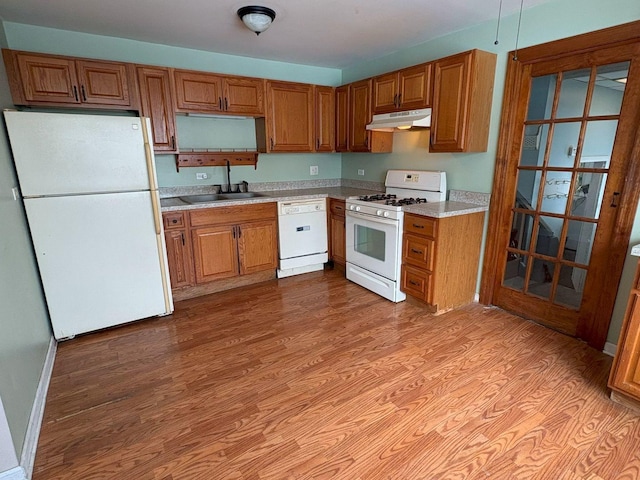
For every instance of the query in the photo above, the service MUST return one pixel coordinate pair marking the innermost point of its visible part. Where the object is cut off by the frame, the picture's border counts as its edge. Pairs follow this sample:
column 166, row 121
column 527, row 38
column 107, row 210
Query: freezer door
column 99, row 260
column 60, row 154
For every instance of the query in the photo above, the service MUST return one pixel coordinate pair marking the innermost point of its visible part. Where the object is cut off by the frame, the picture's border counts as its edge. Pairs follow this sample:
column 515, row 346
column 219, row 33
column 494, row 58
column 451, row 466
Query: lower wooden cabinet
column 337, row 237
column 625, row 374
column 205, row 245
column 179, row 256
column 440, row 258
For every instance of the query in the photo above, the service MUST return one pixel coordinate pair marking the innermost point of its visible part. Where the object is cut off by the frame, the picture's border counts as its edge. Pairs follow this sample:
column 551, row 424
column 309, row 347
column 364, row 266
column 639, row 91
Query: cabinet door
column 257, row 246
column 359, row 115
column 385, row 93
column 414, row 87
column 243, row 95
column 157, row 104
column 338, row 239
column 215, row 253
column 325, row 119
column 198, row 92
column 48, row 79
column 104, row 83
column 342, row 118
column 450, row 103
column 290, row 117
column 179, row 258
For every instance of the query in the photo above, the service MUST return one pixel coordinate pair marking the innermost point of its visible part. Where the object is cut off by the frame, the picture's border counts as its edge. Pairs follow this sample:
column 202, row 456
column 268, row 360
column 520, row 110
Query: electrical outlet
column 201, row 176
column 313, row 170
column 361, row 171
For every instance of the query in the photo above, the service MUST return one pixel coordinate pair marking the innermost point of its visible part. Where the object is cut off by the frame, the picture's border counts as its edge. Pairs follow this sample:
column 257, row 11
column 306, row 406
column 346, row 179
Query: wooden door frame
column 594, row 327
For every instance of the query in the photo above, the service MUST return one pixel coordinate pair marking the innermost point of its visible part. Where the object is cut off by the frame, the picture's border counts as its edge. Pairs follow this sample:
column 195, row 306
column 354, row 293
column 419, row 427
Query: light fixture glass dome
column 256, row 18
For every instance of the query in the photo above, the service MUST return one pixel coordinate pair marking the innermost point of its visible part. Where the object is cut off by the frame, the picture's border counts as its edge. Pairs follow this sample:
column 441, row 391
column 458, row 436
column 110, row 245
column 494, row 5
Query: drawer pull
column 415, row 284
column 419, row 252
column 415, row 225
column 175, row 220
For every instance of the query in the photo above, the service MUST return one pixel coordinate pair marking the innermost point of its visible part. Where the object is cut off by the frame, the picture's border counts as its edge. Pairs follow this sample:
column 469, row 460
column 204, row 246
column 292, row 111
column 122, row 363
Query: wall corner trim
column 17, row 473
column 28, row 457
column 610, row 349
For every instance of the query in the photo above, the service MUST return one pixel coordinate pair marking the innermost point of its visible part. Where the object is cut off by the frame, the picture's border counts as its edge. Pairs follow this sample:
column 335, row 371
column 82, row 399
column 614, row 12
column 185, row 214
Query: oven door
column 373, row 243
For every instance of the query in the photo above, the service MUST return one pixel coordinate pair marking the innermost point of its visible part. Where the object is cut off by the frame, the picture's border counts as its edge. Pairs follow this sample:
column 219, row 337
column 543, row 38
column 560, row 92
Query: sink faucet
column 228, row 177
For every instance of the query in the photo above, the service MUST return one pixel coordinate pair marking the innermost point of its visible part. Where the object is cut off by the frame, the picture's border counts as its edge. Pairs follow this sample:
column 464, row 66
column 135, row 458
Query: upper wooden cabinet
column 290, row 117
column 406, row 89
column 462, row 97
column 211, row 93
column 325, row 119
column 50, row 80
column 342, row 118
column 158, row 104
column 359, row 138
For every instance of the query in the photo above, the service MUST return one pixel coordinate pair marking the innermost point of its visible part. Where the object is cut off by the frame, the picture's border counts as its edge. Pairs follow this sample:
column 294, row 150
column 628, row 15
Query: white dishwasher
column 302, row 236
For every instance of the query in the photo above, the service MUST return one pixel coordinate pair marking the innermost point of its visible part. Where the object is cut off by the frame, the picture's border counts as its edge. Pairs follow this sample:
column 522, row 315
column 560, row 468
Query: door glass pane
column 527, row 192
column 533, row 145
column 521, row 231
column 541, row 97
column 541, row 278
column 370, row 242
column 611, row 81
column 577, row 247
column 573, row 93
column 556, row 192
column 589, row 192
column 515, row 271
column 570, row 286
column 564, row 144
column 548, row 238
column 598, row 142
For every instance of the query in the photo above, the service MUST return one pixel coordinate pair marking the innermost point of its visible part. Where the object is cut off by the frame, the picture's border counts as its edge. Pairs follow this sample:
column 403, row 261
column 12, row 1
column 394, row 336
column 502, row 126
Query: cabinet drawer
column 337, row 206
column 420, row 225
column 173, row 220
column 418, row 251
column 233, row 214
column 417, row 283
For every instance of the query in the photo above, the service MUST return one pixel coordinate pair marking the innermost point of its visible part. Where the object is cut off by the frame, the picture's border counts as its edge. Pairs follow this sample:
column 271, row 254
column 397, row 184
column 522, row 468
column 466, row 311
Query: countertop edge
column 445, row 209
column 635, row 250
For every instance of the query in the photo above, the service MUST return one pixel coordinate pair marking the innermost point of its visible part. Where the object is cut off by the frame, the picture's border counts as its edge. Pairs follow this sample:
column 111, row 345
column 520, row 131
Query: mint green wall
column 549, row 21
column 24, row 324
column 211, row 133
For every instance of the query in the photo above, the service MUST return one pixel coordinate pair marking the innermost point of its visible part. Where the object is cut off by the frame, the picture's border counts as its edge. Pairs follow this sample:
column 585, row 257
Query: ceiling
column 327, row 33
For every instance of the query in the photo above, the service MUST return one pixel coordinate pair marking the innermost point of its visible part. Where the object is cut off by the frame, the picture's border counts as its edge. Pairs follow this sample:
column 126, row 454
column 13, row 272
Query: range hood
column 387, row 122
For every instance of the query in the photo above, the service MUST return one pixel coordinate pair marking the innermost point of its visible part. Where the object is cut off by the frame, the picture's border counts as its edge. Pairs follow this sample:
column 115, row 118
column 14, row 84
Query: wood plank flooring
column 314, row 377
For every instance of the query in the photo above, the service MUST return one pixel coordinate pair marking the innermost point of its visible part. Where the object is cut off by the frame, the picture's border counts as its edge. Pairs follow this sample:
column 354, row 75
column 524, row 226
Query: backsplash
column 476, row 198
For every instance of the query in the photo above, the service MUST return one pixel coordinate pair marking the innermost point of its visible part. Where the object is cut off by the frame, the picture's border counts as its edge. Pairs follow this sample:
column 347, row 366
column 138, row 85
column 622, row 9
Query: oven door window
column 370, row 242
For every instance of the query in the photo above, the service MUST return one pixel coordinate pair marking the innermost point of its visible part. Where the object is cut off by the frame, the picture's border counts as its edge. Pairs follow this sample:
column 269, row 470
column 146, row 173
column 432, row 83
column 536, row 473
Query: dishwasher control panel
column 297, row 207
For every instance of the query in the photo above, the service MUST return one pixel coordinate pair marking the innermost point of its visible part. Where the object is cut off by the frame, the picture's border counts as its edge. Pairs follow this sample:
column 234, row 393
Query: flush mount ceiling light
column 256, row 18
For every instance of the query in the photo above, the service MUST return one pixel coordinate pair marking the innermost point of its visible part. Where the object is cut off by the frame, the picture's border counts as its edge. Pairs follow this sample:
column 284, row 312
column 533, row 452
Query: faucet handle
column 244, row 186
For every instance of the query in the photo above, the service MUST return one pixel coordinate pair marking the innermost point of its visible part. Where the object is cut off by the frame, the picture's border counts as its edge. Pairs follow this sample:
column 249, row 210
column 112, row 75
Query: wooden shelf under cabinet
column 216, row 159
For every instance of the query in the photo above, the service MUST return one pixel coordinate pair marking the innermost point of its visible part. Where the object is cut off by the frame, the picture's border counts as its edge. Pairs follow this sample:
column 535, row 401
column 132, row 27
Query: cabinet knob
column 175, row 220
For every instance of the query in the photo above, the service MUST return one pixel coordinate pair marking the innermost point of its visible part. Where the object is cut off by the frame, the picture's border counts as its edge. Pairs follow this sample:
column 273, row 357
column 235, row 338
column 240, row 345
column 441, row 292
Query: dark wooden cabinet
column 337, row 233
column 406, row 89
column 359, row 138
column 625, row 373
column 157, row 103
column 342, row 118
column 50, row 80
column 440, row 258
column 233, row 241
column 325, row 120
column 462, row 98
column 210, row 93
column 290, row 117
column 179, row 256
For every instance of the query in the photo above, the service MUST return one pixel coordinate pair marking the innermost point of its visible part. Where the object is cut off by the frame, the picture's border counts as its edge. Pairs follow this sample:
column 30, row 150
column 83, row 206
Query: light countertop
column 445, row 209
column 635, row 250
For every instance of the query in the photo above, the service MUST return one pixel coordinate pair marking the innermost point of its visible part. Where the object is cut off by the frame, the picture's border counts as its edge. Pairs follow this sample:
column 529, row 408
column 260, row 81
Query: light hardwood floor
column 315, row 377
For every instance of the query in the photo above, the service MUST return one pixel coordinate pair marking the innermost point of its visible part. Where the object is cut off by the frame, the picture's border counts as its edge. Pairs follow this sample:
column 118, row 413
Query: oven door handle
column 371, row 218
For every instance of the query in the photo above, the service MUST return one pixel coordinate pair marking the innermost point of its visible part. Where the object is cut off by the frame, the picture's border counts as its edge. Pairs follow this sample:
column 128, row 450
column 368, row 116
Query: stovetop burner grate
column 405, row 201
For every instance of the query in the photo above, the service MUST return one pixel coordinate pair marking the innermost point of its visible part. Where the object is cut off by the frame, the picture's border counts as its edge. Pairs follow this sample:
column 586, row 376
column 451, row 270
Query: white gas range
column 374, row 226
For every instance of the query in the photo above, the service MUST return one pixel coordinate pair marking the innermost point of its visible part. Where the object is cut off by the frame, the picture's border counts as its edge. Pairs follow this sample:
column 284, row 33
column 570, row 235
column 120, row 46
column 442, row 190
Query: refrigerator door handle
column 148, row 155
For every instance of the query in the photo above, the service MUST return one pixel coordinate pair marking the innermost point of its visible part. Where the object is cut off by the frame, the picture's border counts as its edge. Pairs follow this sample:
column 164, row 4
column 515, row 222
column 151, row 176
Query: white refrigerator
column 90, row 194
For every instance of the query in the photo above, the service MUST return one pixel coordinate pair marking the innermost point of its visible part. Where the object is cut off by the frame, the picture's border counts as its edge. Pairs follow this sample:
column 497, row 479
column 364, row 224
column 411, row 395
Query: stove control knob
column 386, row 214
column 352, row 207
column 378, row 212
column 357, row 209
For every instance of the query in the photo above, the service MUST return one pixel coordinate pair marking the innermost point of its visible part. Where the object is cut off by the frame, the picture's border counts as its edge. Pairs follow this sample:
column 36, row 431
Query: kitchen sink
column 216, row 197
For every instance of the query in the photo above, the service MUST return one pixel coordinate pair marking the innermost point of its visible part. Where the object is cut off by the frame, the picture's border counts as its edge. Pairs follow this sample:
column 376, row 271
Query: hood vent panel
column 388, row 122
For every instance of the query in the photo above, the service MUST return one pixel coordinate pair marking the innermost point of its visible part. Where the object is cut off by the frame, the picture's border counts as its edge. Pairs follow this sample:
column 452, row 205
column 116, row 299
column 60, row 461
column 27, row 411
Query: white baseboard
column 28, row 457
column 610, row 349
column 17, row 473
